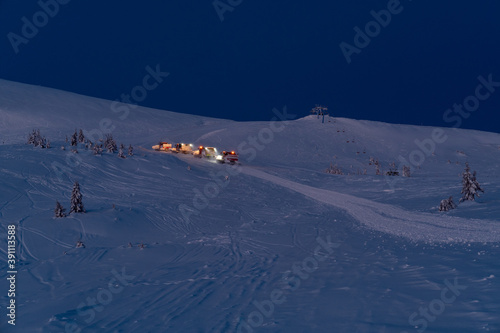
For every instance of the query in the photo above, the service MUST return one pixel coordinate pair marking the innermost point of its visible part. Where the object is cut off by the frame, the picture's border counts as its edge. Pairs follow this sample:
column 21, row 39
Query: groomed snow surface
column 276, row 246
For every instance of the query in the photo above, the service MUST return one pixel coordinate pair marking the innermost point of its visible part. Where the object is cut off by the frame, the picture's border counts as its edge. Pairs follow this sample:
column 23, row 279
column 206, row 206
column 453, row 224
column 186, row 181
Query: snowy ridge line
column 394, row 220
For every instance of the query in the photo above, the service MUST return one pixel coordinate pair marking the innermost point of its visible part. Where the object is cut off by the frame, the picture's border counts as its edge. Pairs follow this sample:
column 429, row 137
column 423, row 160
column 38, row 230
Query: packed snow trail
column 393, row 220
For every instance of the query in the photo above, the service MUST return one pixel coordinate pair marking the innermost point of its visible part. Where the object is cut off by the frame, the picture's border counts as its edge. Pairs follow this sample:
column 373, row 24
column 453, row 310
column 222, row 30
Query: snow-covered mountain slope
column 217, row 248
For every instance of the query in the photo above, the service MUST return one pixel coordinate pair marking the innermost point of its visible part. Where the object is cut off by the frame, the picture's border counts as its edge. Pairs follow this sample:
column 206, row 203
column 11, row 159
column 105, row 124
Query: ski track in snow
column 393, row 220
column 41, row 234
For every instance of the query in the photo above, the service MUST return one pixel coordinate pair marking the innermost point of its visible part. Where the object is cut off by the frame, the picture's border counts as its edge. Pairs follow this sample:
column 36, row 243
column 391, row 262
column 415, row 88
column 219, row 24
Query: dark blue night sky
column 267, row 54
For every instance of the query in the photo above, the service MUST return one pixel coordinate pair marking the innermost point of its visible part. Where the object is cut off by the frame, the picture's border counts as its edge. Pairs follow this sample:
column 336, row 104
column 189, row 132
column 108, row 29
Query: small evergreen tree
column 76, row 200
column 110, row 144
column 31, row 138
column 130, row 150
column 43, row 142
column 96, row 150
column 59, row 211
column 74, row 140
column 406, row 171
column 81, row 137
column 470, row 184
column 36, row 139
column 447, row 204
column 120, row 153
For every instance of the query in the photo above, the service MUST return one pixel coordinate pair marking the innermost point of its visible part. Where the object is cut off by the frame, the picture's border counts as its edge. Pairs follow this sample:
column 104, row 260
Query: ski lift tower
column 320, row 111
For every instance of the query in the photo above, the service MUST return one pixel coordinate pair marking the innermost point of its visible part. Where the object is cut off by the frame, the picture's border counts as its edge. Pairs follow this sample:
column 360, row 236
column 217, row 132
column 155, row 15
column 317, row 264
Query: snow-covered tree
column 406, row 171
column 80, row 244
column 31, row 138
column 76, row 200
column 36, row 139
column 470, row 185
column 42, row 142
column 74, row 139
column 97, row 149
column 447, row 204
column 110, row 144
column 130, row 150
column 59, row 211
column 120, row 153
column 81, row 137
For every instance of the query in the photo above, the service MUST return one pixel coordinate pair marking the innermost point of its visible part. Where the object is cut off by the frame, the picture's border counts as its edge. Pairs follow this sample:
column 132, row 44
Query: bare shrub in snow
column 334, row 170
column 393, row 171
